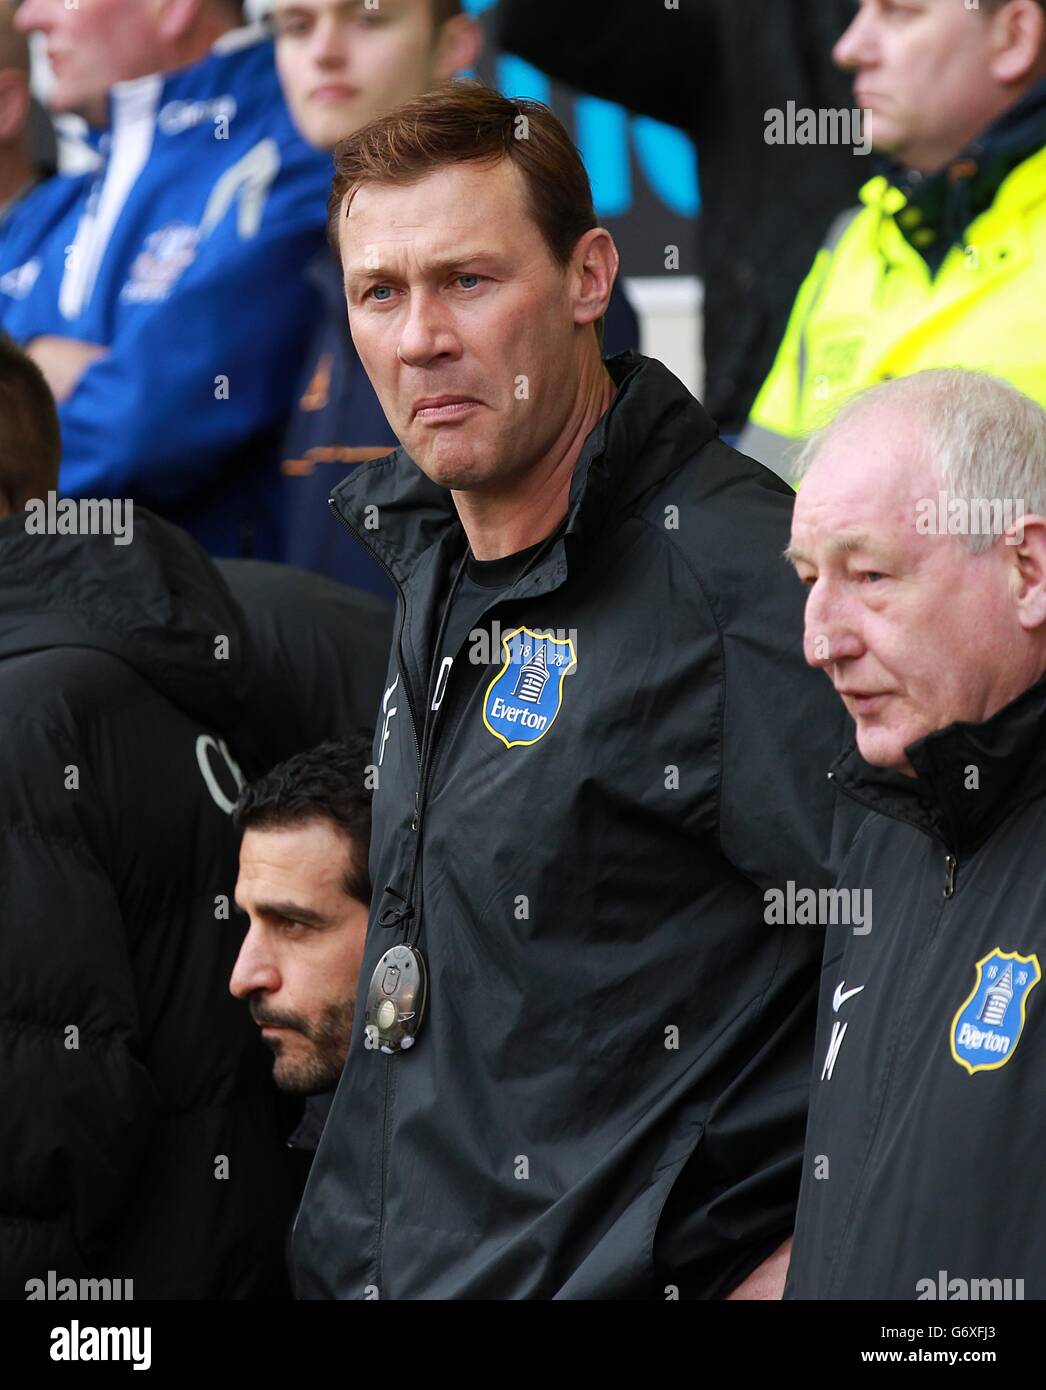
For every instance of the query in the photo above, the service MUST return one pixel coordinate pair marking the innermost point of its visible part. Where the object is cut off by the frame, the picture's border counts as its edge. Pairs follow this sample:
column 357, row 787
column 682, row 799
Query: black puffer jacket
column 140, row 1136
column 608, row 1093
column 322, row 646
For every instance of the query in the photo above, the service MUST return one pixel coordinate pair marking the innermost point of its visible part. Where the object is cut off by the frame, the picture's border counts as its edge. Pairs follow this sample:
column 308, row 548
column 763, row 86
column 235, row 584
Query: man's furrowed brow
column 477, row 256
column 849, row 541
column 291, row 912
column 845, row 543
column 367, row 269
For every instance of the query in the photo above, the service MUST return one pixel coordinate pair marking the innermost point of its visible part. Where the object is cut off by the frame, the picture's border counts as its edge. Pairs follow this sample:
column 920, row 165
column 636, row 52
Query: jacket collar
column 969, row 777
column 313, row 1118
column 652, row 427
column 194, row 79
column 939, row 208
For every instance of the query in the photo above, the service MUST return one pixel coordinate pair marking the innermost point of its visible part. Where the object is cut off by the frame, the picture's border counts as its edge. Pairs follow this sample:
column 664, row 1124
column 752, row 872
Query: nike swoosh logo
column 841, row 995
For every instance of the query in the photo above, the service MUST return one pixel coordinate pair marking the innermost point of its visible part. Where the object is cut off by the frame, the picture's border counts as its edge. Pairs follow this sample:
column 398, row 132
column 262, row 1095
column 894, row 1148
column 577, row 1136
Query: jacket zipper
column 423, row 750
column 386, row 1123
column 951, row 865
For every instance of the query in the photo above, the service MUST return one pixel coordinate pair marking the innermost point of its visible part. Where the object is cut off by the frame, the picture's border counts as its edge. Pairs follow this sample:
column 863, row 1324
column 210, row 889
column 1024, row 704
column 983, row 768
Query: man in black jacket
column 717, row 68
column 141, row 1135
column 580, row 1061
column 920, row 531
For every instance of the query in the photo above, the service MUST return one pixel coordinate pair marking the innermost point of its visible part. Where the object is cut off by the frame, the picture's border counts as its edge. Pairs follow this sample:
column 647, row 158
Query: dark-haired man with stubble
column 582, row 1048
column 304, row 887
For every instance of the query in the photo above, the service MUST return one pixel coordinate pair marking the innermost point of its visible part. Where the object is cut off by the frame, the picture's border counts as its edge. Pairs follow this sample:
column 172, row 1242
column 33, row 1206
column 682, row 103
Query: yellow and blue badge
column 523, row 699
column 988, row 1027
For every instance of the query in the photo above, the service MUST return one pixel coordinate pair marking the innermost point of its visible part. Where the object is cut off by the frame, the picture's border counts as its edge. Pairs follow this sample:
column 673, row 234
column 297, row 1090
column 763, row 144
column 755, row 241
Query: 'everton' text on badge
column 524, row 698
column 988, row 1026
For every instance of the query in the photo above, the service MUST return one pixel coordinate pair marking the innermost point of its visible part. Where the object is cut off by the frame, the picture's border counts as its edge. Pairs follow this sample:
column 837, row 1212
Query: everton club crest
column 988, row 1027
column 523, row 699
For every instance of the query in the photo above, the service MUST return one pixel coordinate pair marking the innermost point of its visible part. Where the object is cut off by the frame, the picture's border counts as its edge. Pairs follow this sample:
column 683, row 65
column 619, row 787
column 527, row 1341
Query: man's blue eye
column 473, row 278
column 380, row 291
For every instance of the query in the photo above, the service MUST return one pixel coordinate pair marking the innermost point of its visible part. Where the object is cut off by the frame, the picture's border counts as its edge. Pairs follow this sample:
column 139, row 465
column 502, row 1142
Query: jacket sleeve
column 779, row 819
column 77, row 1100
column 635, row 52
column 24, row 231
column 189, row 381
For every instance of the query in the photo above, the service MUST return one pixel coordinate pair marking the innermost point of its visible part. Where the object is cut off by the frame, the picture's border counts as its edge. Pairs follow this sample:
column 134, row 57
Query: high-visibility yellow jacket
column 869, row 310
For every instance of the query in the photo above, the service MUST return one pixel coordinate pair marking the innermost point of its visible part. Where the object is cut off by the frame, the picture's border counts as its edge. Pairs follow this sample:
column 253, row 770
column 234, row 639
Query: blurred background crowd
column 164, row 198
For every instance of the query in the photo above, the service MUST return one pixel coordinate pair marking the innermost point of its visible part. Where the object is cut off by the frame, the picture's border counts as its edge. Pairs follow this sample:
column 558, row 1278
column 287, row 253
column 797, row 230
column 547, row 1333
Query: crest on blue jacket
column 523, row 699
column 167, row 252
column 988, row 1027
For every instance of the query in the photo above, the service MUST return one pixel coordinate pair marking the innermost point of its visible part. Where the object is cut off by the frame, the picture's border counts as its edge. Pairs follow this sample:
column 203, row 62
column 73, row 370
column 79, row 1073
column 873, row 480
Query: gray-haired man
column 919, row 531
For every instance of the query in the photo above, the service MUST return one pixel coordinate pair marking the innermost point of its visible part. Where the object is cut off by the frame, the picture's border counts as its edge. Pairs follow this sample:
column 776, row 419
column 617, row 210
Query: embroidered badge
column 987, row 1028
column 524, row 698
column 166, row 253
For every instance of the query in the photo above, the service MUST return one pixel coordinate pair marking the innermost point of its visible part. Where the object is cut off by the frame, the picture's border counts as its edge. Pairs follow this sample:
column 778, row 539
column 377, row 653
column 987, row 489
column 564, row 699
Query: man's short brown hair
column 465, row 121
column 30, row 440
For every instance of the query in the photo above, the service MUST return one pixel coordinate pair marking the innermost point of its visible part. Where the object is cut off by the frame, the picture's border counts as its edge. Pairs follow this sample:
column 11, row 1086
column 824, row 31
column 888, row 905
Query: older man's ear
column 1028, row 577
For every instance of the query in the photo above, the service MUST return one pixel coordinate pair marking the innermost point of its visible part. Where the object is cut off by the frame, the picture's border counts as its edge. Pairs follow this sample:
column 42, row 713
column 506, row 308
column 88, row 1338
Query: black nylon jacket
column 923, row 1161
column 127, row 1071
column 587, row 887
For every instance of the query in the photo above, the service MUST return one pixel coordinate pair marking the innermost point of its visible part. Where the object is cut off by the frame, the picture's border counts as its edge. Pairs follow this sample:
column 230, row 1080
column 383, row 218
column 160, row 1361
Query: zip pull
column 394, row 910
column 950, row 865
column 417, row 811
